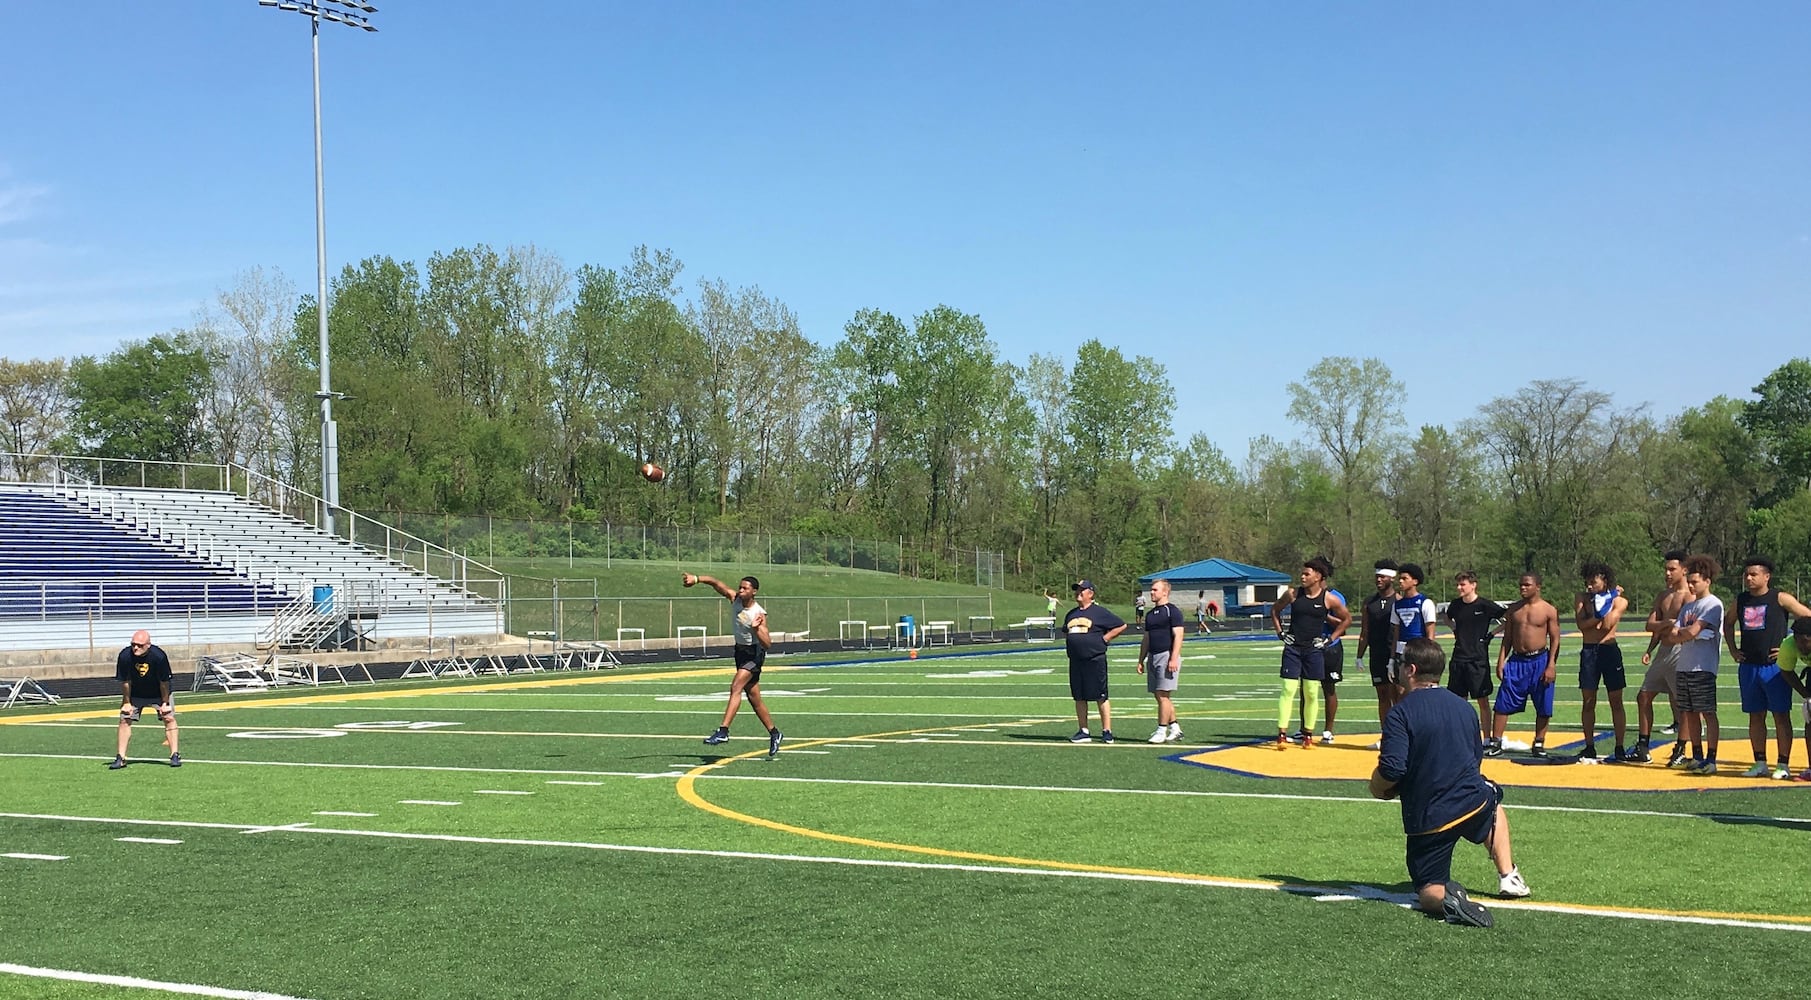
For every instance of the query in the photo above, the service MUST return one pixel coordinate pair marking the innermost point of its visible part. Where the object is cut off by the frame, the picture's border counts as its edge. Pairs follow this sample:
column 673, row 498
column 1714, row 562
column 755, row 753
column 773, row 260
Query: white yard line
column 1177, row 879
column 133, row 982
column 1355, row 800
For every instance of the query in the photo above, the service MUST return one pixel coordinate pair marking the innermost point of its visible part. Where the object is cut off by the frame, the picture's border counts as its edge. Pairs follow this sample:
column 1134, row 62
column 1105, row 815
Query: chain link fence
column 487, row 539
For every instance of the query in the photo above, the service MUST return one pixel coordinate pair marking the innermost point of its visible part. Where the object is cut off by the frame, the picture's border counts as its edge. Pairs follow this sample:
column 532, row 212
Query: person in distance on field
column 143, row 671
column 1695, row 633
column 1662, row 663
column 1160, row 657
column 1474, row 620
column 1755, row 634
column 1201, row 610
column 1525, row 665
column 1430, row 759
column 752, row 643
column 1314, row 615
column 1791, row 655
column 1597, row 611
column 1087, row 629
column 1377, row 620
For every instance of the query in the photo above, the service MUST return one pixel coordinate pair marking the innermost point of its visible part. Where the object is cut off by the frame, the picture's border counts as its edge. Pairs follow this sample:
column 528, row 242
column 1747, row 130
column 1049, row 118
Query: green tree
column 1350, row 407
column 143, row 401
column 34, row 408
column 1562, row 456
column 1780, row 421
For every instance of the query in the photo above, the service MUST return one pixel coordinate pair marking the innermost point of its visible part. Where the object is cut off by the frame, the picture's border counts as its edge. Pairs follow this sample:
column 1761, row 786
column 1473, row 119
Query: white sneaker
column 1375, row 746
column 1326, row 737
column 1512, row 885
column 1759, row 770
column 1162, row 734
column 1175, row 732
column 1782, row 774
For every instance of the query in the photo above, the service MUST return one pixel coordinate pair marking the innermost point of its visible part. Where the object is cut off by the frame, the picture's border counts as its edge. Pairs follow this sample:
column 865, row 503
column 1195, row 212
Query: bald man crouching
column 144, row 675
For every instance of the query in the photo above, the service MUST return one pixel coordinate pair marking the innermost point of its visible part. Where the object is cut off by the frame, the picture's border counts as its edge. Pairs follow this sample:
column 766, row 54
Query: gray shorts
column 1697, row 691
column 1662, row 675
column 1157, row 674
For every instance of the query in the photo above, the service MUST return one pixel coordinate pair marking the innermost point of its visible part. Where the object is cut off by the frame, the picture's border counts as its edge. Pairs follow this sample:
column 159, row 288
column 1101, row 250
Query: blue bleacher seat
column 59, row 560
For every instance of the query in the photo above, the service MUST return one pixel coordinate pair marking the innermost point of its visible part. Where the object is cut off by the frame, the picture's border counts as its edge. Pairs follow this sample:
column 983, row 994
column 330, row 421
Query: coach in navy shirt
column 1430, row 757
column 1087, row 629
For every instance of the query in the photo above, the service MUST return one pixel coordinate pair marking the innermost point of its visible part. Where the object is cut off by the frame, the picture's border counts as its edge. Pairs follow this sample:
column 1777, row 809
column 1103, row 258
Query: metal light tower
column 351, row 13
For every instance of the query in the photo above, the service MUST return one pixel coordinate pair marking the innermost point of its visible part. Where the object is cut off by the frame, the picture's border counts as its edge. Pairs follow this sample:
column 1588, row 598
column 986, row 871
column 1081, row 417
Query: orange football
column 653, row 473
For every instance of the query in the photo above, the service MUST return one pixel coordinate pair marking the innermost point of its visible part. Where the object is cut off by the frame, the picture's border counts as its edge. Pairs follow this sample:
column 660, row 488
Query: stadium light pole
column 353, row 14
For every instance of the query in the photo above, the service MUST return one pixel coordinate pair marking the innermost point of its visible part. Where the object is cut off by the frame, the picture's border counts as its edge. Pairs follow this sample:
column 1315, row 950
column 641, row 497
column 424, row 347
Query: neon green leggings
column 1311, row 707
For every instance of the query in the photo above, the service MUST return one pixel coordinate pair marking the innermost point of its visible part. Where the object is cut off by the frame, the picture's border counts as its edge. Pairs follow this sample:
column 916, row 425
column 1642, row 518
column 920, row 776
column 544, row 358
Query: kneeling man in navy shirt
column 1430, row 757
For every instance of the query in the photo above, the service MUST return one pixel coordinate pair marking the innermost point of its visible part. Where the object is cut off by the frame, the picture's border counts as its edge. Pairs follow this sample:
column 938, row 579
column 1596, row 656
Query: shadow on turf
column 1733, row 819
column 702, row 758
column 1399, row 895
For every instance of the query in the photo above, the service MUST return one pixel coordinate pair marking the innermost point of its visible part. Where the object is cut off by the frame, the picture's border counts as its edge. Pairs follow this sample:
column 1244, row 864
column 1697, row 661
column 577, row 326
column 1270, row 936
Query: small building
column 1233, row 588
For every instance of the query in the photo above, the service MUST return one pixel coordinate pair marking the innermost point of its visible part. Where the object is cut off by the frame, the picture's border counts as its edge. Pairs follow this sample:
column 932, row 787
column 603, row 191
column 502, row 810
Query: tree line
column 508, row 383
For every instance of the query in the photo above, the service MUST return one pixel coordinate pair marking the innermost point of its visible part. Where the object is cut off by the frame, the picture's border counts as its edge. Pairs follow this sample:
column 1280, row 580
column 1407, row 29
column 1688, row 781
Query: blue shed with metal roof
column 1235, row 588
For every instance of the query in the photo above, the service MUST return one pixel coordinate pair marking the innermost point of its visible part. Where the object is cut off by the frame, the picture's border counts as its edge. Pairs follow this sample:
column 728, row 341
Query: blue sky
column 1480, row 195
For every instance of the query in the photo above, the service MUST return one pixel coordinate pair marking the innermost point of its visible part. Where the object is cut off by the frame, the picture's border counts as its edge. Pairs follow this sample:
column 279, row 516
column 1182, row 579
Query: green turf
column 554, row 893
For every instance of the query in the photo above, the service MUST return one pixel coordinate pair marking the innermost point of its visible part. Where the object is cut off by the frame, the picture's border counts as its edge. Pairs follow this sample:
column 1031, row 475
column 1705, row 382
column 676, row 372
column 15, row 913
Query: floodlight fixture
column 351, row 13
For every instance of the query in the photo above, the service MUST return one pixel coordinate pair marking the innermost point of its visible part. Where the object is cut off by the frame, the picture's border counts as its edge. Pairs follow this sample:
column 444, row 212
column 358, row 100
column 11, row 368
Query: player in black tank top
column 1760, row 615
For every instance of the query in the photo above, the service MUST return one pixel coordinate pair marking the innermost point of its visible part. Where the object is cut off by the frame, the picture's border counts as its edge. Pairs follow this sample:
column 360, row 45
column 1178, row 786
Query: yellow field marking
column 687, row 788
column 476, row 687
column 1349, row 760
column 688, row 792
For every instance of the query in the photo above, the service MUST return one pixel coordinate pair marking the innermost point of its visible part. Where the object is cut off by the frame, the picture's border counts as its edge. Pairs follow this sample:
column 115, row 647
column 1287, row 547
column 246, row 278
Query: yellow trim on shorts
column 1449, row 826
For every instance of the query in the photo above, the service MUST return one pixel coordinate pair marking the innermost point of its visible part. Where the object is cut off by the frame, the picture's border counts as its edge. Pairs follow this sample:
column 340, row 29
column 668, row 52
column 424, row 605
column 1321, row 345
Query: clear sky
column 1478, row 194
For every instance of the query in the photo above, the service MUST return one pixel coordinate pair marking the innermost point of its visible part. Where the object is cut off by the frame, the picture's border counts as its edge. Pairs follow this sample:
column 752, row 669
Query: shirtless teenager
column 1661, row 660
column 1525, row 665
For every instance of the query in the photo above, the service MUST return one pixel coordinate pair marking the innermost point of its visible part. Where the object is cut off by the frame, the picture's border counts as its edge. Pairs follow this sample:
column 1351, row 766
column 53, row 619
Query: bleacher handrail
column 280, row 496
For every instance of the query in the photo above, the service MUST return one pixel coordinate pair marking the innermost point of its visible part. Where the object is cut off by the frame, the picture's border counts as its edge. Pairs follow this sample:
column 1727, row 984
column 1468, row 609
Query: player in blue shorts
column 1755, row 634
column 1525, row 665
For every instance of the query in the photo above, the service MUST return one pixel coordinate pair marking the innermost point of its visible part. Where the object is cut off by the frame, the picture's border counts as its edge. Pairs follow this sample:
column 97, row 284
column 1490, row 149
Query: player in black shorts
column 752, row 642
column 1475, row 621
column 1375, row 620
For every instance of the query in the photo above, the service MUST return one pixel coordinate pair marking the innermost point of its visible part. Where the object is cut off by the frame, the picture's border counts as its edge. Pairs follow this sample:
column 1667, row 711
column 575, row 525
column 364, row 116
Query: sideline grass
column 542, row 895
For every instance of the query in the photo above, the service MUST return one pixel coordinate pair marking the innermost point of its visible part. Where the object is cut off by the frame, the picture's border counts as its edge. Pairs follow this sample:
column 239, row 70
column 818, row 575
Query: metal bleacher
column 76, row 549
column 56, row 560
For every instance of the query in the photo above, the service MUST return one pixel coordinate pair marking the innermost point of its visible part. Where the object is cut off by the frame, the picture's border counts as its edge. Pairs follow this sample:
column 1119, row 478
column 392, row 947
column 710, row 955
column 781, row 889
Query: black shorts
column 1430, row 855
column 1602, row 661
column 1381, row 673
column 1470, row 678
column 1333, row 663
column 1088, row 680
column 751, row 659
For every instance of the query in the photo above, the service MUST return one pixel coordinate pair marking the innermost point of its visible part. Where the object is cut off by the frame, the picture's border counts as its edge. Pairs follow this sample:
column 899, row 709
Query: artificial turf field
column 927, row 831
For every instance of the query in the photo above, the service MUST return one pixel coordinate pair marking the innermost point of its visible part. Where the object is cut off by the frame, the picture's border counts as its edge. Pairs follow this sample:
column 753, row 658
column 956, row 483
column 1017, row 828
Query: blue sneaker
column 773, row 743
column 1081, row 736
column 176, row 760
column 118, row 762
column 720, row 736
column 1106, row 736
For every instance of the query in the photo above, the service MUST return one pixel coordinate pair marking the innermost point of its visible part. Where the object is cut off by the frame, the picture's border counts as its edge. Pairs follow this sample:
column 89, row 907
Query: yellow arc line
column 687, row 788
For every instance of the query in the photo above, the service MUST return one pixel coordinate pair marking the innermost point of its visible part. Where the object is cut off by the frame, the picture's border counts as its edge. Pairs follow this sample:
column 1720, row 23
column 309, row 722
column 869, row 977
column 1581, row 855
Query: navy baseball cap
column 1081, row 585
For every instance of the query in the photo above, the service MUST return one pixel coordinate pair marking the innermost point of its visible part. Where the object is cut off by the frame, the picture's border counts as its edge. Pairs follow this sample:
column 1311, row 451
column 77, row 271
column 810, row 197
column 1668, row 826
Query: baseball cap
column 1081, row 585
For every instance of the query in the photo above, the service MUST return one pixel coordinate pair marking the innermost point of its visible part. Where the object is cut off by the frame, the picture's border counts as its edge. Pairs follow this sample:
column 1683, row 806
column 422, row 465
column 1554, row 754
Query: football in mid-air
column 652, row 473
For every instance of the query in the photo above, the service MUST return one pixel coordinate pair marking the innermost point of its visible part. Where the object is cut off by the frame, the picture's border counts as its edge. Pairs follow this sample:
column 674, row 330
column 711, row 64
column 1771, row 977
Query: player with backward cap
column 752, row 643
